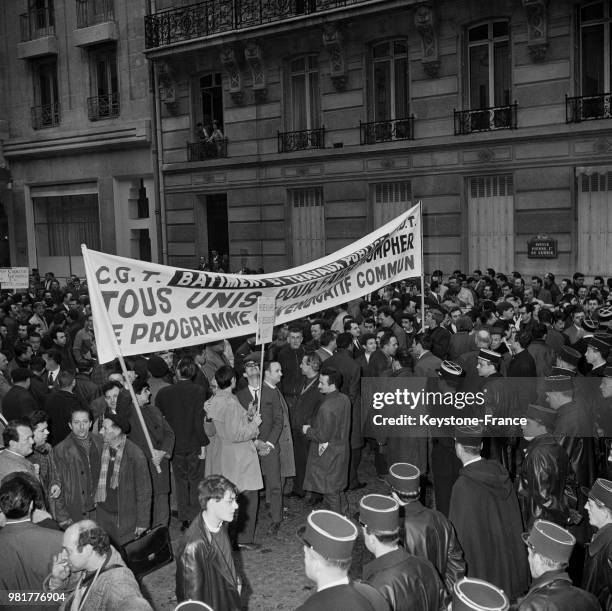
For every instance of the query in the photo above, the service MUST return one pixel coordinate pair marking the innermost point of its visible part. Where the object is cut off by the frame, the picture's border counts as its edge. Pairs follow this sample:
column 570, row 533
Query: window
column 46, row 111
column 489, row 65
column 308, row 224
column 304, row 92
column 389, row 200
column 595, row 34
column 491, row 222
column 105, row 85
column 211, row 96
column 39, row 21
column 390, row 80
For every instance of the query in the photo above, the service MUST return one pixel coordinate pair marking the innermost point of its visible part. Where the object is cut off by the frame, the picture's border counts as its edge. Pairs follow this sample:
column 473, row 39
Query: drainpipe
column 157, row 157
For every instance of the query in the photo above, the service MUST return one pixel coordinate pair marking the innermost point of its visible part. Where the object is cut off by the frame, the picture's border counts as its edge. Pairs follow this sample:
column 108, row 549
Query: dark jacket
column 574, row 430
column 379, row 363
column 355, row 596
column 440, row 341
column 544, row 357
column 484, row 508
column 597, row 575
column 59, row 405
column 202, row 572
column 460, row 343
column 407, row 582
column 307, row 405
column 39, row 390
column 271, row 415
column 543, row 475
column 18, row 403
column 182, row 405
column 554, row 591
column 429, row 534
column 290, row 361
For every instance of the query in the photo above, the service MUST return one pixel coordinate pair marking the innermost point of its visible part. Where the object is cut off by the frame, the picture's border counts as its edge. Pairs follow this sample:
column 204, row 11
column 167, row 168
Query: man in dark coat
column 290, row 359
column 328, row 545
column 485, row 512
column 59, row 404
column 205, row 569
column 597, row 351
column 19, row 401
column 351, row 387
column 597, row 576
column 162, row 438
column 427, row 532
column 544, row 470
column 182, row 406
column 329, row 452
column 405, row 580
column 549, row 549
column 437, row 334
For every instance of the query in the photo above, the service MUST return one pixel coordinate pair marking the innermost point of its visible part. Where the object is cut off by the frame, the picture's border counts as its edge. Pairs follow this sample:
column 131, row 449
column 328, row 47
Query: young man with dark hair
column 205, row 569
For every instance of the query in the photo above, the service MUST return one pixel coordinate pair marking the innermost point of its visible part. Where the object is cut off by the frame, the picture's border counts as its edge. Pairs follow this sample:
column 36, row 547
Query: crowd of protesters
column 76, row 458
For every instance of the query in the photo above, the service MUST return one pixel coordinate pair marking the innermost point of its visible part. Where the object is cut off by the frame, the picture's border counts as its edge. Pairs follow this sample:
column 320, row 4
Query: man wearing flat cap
column 597, row 576
column 549, row 548
column 406, row 581
column 328, row 541
column 574, row 428
column 123, row 496
column 427, row 532
column 485, row 512
column 544, row 469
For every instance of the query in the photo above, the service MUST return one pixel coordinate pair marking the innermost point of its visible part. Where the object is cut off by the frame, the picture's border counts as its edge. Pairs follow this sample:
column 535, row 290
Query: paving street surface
column 275, row 574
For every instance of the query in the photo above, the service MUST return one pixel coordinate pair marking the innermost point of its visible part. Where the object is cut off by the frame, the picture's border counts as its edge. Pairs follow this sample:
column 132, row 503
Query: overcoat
column 597, row 575
column 553, row 591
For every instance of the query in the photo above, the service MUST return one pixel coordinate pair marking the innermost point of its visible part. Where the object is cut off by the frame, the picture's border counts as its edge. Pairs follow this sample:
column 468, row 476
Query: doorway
column 217, row 229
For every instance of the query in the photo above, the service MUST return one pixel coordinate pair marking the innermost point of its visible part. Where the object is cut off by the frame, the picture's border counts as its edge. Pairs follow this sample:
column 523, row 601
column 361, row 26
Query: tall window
column 595, row 47
column 304, row 91
column 390, row 80
column 46, row 112
column 308, row 224
column 489, row 65
column 105, row 84
column 211, row 96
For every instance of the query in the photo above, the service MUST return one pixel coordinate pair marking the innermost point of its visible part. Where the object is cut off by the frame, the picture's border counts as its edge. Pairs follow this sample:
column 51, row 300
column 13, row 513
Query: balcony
column 217, row 16
column 203, row 150
column 37, row 34
column 47, row 115
column 103, row 107
column 301, row 140
column 588, row 108
column 387, row 131
column 485, row 119
column 95, row 23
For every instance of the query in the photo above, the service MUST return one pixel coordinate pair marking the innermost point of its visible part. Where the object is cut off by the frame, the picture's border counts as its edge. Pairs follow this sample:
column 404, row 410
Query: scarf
column 101, row 491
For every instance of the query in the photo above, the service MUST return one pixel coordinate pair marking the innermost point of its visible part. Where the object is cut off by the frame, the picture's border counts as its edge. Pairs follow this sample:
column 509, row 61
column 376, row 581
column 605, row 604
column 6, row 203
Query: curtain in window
column 298, row 102
column 593, row 60
column 501, row 74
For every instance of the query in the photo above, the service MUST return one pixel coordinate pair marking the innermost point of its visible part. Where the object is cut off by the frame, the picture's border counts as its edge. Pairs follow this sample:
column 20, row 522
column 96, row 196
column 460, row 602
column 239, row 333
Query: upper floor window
column 489, row 65
column 104, row 102
column 39, row 21
column 211, row 100
column 390, row 80
column 595, row 35
column 304, row 102
column 46, row 110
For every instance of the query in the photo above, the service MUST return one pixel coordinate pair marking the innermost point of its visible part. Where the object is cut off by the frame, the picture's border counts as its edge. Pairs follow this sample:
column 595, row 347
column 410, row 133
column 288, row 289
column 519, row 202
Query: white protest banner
column 266, row 307
column 150, row 307
column 14, row 277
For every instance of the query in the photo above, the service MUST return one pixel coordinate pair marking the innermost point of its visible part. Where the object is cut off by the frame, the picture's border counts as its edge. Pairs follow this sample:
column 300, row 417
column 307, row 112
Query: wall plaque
column 542, row 247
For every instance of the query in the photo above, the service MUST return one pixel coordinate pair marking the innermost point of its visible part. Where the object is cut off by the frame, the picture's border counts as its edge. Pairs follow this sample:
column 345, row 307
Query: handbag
column 149, row 552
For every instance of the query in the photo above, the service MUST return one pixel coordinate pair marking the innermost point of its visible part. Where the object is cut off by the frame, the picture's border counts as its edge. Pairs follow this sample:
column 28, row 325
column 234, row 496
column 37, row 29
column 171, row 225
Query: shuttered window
column 390, row 199
column 491, row 222
column 595, row 219
column 308, row 224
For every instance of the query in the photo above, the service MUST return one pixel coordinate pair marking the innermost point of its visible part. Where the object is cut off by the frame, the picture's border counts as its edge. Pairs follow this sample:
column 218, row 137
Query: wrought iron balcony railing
column 301, row 140
column 588, row 107
column 216, row 16
column 47, row 115
column 203, row 150
column 37, row 23
column 386, row 131
column 92, row 12
column 485, row 119
column 103, row 107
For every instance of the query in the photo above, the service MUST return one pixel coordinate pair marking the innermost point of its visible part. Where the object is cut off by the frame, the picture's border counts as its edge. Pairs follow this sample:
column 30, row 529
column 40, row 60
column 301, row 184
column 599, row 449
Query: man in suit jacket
column 382, row 359
column 328, row 345
column 351, row 387
column 370, row 347
column 426, row 363
column 59, row 404
column 19, row 402
column 270, row 431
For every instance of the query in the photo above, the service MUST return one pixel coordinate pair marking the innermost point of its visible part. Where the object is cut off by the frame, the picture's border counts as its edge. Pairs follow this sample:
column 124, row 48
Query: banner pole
column 261, row 379
column 104, row 314
column 422, row 269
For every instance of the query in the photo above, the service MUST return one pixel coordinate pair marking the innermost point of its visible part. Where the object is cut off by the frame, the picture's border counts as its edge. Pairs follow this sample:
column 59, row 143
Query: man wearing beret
column 427, row 532
column 406, row 581
column 544, row 470
column 485, row 512
column 328, row 541
column 123, row 496
column 549, row 548
column 597, row 576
